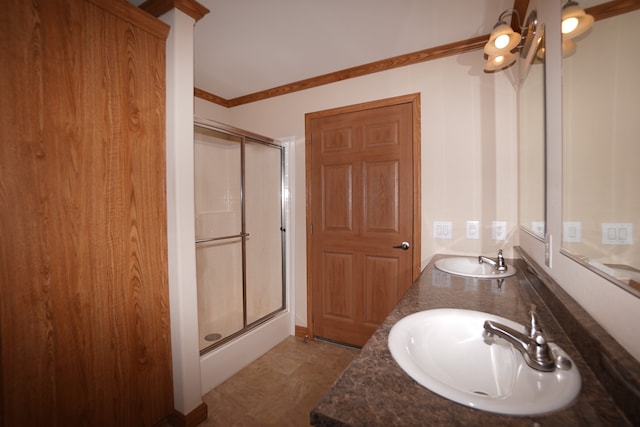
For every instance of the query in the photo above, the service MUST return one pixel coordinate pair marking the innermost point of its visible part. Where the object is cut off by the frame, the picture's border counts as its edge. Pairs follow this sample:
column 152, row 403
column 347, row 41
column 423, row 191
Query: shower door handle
column 404, row 246
column 213, row 239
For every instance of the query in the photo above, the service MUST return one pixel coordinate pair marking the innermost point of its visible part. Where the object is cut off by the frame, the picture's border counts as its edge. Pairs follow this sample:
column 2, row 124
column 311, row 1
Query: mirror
column 531, row 129
column 601, row 150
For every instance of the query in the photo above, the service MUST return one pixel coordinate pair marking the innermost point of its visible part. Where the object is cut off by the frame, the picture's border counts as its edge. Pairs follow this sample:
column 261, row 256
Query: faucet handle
column 534, row 323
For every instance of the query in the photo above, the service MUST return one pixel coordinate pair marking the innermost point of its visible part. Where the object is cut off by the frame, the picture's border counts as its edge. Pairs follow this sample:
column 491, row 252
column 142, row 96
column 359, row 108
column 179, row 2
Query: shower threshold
column 220, row 341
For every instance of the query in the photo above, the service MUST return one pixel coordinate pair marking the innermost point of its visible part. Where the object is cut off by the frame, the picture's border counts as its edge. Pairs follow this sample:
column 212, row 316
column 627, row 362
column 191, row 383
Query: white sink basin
column 445, row 351
column 470, row 267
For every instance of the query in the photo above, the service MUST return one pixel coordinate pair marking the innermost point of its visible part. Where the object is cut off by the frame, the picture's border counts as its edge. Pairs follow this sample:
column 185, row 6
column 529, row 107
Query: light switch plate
column 617, row 233
column 442, row 229
column 572, row 232
column 499, row 230
column 473, row 230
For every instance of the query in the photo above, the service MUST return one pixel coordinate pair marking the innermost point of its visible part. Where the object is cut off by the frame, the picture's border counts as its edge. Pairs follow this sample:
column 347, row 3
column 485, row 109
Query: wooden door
column 84, row 309
column 361, row 207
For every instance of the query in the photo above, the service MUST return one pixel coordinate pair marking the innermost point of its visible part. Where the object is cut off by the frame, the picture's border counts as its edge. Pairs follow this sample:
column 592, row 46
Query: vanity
column 374, row 391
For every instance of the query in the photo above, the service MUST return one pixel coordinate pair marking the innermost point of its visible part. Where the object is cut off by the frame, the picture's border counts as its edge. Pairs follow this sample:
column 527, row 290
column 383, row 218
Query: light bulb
column 569, row 24
column 498, row 62
column 501, row 41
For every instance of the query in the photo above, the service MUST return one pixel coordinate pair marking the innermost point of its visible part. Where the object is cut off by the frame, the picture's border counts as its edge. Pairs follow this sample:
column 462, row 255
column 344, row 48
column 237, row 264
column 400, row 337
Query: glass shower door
column 263, row 202
column 218, row 208
column 239, row 233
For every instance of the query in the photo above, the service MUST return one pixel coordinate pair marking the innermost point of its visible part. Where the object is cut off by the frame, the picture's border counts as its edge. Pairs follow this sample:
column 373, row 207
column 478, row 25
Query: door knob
column 404, row 246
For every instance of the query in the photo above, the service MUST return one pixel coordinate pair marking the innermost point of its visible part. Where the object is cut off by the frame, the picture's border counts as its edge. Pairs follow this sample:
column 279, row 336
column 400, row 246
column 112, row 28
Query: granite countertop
column 374, row 391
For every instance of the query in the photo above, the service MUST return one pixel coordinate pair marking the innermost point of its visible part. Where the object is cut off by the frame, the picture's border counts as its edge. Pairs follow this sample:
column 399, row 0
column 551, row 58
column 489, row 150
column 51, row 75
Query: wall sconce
column 504, row 42
column 568, row 49
column 575, row 21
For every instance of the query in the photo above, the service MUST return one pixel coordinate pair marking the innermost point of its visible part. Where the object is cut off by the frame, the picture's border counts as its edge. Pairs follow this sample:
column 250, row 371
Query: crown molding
column 349, row 73
column 601, row 11
column 160, row 7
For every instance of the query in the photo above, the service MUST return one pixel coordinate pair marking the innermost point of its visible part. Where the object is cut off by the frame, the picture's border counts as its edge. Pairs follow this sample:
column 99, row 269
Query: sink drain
column 213, row 337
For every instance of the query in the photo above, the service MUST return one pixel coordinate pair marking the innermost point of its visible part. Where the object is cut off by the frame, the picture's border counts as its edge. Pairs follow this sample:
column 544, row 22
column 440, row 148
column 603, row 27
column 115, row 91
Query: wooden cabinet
column 84, row 306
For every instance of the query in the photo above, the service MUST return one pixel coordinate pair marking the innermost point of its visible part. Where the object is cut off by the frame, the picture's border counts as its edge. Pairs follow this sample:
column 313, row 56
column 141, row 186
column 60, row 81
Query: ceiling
column 247, row 46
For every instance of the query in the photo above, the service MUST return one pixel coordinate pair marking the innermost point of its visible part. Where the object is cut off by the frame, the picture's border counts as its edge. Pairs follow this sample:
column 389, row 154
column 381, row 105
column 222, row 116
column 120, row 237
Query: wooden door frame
column 414, row 100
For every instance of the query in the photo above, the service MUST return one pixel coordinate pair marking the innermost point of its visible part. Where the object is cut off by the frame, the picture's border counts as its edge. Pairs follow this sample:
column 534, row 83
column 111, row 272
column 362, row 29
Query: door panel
column 381, row 277
column 337, row 197
column 381, row 196
column 84, row 301
column 263, row 211
column 239, row 232
column 336, row 290
column 218, row 213
column 361, row 206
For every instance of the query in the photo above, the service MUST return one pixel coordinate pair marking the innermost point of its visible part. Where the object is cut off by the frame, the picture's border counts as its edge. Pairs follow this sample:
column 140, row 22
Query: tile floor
column 280, row 388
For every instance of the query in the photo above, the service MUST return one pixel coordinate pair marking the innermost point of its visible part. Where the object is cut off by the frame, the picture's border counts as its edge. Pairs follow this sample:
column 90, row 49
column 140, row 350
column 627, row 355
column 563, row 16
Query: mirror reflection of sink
column 470, row 267
column 445, row 350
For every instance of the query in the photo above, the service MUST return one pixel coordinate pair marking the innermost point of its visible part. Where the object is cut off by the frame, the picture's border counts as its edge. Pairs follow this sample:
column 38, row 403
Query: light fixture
column 498, row 62
column 504, row 42
column 503, row 39
column 575, row 20
column 568, row 49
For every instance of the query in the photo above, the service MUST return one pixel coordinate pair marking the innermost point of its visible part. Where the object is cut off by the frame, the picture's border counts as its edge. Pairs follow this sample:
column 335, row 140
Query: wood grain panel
column 612, row 8
column 380, row 134
column 336, row 140
column 381, row 195
column 338, row 279
column 84, row 308
column 337, row 192
column 25, row 264
column 381, row 283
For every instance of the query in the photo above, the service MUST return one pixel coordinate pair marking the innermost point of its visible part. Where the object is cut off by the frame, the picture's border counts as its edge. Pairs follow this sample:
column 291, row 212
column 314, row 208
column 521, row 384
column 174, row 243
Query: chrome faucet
column 533, row 345
column 499, row 264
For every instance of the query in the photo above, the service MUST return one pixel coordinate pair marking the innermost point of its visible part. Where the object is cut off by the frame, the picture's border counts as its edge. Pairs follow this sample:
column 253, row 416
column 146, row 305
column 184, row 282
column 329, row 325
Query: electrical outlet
column 442, row 229
column 572, row 232
column 617, row 233
column 473, row 230
column 499, row 230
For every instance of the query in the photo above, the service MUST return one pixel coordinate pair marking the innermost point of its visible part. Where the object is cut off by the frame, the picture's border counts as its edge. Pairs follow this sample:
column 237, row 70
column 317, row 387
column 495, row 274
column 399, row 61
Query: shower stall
column 240, row 232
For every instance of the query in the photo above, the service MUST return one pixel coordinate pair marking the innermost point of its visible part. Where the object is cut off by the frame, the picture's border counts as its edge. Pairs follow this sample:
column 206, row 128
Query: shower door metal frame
column 255, row 138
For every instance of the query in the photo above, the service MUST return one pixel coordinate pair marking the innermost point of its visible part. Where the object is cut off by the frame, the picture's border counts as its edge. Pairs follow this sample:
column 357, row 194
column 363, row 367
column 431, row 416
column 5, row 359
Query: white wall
column 603, row 136
column 180, row 216
column 616, row 310
column 469, row 158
